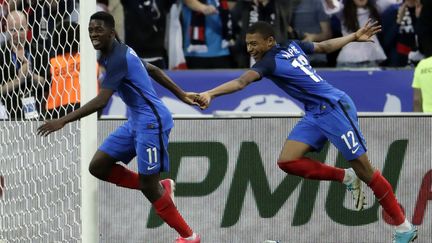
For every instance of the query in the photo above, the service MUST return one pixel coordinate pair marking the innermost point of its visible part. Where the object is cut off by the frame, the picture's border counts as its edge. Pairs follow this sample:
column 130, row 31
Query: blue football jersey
column 126, row 74
column 288, row 67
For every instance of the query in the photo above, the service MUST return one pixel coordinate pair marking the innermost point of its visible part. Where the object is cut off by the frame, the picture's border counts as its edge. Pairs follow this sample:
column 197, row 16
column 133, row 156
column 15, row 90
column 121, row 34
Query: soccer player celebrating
column 330, row 114
column 146, row 132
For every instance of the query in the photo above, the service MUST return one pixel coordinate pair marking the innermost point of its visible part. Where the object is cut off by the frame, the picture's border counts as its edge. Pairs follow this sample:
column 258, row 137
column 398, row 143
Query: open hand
column 50, row 126
column 365, row 33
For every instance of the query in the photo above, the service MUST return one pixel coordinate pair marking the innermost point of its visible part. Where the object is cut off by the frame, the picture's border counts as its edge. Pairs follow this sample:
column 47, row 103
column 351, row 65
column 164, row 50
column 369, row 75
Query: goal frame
column 88, row 128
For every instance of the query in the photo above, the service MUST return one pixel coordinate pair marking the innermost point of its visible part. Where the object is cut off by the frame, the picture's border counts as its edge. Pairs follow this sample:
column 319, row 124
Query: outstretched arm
column 364, row 34
column 93, row 105
column 159, row 76
column 229, row 87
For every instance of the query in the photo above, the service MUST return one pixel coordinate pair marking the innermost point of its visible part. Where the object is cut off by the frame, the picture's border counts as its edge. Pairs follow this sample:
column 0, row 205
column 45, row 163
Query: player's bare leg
column 363, row 168
column 100, row 165
column 151, row 187
column 405, row 232
column 105, row 167
column 293, row 150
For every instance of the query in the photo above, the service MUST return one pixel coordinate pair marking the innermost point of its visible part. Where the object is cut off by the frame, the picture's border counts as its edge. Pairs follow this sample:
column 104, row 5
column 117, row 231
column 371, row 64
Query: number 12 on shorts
column 349, row 139
column 152, row 155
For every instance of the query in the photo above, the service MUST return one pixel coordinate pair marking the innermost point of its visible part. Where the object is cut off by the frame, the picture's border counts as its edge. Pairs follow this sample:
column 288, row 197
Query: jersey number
column 152, row 155
column 302, row 63
column 349, row 140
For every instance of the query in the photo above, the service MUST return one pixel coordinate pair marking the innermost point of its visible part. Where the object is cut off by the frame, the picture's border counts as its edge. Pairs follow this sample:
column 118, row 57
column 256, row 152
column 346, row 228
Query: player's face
column 100, row 35
column 257, row 45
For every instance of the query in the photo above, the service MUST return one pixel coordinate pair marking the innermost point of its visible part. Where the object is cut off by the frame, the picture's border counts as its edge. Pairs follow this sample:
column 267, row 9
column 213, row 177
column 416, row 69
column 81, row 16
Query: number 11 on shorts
column 152, row 155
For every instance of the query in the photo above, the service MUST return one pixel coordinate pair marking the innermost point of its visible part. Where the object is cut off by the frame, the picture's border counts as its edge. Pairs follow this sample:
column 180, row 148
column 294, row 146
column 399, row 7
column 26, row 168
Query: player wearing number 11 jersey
column 330, row 115
column 144, row 135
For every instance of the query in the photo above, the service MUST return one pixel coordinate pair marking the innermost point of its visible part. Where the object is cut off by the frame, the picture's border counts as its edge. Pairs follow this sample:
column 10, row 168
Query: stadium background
column 228, row 184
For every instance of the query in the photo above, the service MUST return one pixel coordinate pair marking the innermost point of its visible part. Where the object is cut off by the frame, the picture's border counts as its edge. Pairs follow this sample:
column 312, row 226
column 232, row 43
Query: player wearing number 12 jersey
column 330, row 115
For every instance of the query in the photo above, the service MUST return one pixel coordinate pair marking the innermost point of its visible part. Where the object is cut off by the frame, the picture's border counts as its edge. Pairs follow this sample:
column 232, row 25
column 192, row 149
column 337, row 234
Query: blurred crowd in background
column 212, row 31
column 39, row 40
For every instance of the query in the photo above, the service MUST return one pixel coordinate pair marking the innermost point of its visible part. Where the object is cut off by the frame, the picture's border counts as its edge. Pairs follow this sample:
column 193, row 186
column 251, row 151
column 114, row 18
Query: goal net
column 40, row 185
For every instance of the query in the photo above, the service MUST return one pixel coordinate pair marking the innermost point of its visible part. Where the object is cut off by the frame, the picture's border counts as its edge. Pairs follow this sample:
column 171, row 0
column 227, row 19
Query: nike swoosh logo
column 151, row 167
column 355, row 150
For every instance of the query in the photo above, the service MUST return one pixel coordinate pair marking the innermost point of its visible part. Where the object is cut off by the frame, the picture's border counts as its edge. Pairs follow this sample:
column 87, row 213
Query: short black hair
column 107, row 18
column 263, row 28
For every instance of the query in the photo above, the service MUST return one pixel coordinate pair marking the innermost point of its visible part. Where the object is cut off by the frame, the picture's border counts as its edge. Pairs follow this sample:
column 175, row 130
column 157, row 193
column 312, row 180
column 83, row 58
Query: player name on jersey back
column 290, row 52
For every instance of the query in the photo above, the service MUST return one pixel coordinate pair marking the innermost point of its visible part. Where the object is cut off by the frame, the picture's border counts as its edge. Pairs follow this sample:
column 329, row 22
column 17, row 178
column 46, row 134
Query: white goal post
column 89, row 200
column 46, row 191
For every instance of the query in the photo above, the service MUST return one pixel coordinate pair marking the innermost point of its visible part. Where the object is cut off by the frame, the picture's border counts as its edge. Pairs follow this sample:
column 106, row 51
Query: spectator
column 102, row 5
column 422, row 85
column 144, row 27
column 399, row 21
column 5, row 8
column 145, row 24
column 207, row 38
column 3, row 14
column 313, row 24
column 23, row 71
column 44, row 17
column 64, row 94
column 384, row 4
column 247, row 12
column 355, row 13
column 424, row 28
column 116, row 9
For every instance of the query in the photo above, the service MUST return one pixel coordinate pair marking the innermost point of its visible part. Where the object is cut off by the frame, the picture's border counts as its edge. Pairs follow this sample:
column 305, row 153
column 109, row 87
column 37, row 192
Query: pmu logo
column 1, row 186
column 249, row 173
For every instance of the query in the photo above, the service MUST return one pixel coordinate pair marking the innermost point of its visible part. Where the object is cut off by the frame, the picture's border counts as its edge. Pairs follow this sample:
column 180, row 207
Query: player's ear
column 270, row 41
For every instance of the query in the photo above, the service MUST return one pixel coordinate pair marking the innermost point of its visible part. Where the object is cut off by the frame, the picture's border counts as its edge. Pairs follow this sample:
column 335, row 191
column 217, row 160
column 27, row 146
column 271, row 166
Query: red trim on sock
column 168, row 212
column 311, row 169
column 384, row 193
column 121, row 176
